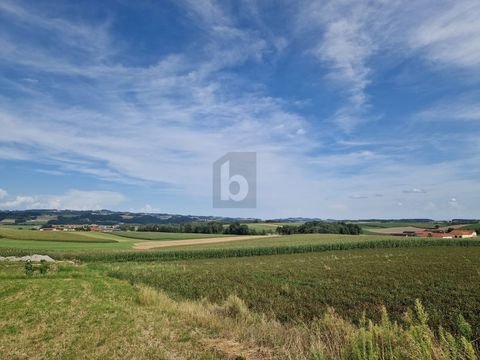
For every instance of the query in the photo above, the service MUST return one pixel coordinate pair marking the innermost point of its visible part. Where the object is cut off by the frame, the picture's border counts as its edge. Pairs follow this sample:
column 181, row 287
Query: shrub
column 28, row 268
column 44, row 267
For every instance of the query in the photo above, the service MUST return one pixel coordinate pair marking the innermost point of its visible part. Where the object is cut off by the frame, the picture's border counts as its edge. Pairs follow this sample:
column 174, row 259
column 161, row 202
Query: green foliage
column 321, row 227
column 239, row 229
column 464, row 328
column 28, row 268
column 44, row 267
column 212, row 227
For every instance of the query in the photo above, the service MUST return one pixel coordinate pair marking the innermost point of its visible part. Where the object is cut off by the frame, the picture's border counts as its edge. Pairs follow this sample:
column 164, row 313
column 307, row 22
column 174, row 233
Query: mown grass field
column 78, row 313
column 51, row 236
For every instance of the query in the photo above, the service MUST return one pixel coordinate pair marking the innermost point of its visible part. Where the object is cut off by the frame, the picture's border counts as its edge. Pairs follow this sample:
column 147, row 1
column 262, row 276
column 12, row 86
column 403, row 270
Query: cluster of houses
column 92, row 227
column 443, row 234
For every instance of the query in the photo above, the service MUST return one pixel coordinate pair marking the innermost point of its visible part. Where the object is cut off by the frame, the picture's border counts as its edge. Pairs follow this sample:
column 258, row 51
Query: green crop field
column 301, row 286
column 298, row 296
column 471, row 227
column 386, row 225
column 291, row 240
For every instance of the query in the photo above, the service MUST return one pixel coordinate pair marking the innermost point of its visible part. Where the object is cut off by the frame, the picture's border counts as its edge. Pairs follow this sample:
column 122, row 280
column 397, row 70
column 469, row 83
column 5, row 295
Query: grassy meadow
column 280, row 297
column 52, row 236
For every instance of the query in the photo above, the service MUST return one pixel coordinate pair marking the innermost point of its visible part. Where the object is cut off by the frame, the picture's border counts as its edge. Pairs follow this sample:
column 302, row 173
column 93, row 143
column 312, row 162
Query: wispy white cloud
column 346, row 40
column 92, row 39
column 450, row 34
column 452, row 110
column 349, row 35
column 72, row 200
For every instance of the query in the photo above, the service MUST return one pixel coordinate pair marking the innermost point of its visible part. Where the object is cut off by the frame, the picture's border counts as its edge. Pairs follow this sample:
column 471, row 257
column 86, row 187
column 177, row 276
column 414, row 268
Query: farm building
column 463, row 234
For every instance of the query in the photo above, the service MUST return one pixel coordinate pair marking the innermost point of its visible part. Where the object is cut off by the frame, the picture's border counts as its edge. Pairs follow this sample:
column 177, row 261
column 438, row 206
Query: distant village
column 92, row 227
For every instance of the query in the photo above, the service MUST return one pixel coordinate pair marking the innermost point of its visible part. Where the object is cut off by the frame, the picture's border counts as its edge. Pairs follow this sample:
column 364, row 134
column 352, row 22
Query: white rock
column 38, row 258
column 33, row 258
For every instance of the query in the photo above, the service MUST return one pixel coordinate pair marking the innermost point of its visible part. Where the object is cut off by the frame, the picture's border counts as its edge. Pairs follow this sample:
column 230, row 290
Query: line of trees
column 320, row 227
column 212, row 227
column 236, row 228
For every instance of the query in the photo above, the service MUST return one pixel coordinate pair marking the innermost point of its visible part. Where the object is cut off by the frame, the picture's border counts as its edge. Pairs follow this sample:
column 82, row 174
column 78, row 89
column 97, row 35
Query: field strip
column 145, row 245
column 394, row 230
column 401, row 229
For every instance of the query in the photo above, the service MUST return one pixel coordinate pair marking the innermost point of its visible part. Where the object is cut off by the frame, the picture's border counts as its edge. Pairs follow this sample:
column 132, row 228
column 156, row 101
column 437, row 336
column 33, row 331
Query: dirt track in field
column 146, row 245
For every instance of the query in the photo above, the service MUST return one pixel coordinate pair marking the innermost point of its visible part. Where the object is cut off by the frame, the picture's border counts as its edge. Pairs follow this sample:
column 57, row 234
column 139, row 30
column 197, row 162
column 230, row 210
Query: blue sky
column 356, row 108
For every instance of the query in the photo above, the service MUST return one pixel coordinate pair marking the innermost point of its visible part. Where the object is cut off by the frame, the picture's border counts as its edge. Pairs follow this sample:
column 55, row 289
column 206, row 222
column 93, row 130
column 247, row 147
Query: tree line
column 320, row 227
column 236, row 228
column 211, row 227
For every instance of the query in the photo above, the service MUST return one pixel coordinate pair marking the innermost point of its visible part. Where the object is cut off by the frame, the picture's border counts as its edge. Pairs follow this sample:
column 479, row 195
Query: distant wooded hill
column 102, row 217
